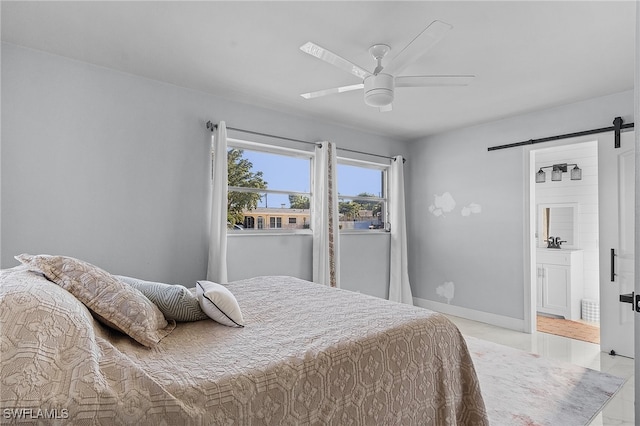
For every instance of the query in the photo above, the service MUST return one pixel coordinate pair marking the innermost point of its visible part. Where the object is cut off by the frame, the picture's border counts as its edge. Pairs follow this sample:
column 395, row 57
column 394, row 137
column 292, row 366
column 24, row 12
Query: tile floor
column 618, row 412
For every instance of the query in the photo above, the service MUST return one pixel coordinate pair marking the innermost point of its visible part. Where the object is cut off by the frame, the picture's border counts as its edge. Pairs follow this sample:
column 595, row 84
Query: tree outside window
column 240, row 174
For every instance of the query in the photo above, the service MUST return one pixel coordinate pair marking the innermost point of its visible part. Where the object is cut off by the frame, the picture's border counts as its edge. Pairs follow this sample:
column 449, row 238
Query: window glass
column 355, row 180
column 361, row 196
column 267, row 184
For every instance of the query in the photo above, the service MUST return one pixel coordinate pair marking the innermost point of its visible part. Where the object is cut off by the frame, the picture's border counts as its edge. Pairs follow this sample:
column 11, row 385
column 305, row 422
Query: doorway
column 565, row 282
column 614, row 239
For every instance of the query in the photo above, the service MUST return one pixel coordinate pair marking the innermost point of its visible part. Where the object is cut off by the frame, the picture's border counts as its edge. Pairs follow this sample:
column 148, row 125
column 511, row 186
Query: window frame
column 308, row 154
column 384, row 169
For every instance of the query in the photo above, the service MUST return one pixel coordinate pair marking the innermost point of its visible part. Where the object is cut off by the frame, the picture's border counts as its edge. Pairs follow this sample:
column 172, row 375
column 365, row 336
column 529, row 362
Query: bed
column 307, row 355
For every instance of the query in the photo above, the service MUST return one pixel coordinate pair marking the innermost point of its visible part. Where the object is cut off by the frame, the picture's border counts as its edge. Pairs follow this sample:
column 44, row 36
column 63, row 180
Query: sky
column 292, row 174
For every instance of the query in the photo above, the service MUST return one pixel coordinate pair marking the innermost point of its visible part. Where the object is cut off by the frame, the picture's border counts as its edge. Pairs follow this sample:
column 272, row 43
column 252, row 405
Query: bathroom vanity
column 559, row 281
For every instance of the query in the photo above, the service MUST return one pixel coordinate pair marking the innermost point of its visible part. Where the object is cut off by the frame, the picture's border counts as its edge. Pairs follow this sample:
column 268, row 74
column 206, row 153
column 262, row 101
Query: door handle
column 628, row 298
column 632, row 298
column 613, row 268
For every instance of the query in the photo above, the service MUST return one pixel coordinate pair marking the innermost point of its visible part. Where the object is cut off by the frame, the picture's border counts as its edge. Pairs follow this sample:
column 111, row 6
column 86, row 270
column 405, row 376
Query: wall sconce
column 556, row 172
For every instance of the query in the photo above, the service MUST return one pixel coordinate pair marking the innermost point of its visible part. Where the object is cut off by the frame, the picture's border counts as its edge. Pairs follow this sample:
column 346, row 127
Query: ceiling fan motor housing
column 379, row 90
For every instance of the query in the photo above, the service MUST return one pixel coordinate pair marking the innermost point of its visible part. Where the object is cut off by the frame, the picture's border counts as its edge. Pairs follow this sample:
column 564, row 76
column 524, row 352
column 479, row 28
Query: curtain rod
column 212, row 127
column 617, row 128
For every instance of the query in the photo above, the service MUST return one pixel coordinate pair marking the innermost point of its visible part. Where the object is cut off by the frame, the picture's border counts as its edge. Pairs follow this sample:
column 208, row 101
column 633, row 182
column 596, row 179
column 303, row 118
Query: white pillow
column 219, row 303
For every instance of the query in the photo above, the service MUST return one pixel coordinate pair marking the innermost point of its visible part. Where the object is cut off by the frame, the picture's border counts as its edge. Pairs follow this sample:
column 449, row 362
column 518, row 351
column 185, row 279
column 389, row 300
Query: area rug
column 571, row 329
column 521, row 388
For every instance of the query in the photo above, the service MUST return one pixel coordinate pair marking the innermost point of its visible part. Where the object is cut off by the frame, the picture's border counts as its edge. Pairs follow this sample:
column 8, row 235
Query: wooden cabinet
column 559, row 283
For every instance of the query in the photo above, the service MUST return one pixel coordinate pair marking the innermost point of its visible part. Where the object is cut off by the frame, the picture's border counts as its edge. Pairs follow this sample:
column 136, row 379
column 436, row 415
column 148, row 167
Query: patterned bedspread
column 308, row 355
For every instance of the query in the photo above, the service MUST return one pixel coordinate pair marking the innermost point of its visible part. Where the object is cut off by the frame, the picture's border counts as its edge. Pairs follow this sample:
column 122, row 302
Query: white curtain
column 399, row 287
column 326, row 246
column 217, row 268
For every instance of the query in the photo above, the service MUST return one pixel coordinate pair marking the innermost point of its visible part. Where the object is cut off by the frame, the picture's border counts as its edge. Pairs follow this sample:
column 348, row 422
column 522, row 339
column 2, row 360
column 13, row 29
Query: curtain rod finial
column 211, row 126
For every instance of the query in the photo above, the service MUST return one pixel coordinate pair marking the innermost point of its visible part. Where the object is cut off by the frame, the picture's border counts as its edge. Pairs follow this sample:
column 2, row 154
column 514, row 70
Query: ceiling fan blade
column 325, row 92
column 386, row 108
column 335, row 60
column 418, row 46
column 434, row 80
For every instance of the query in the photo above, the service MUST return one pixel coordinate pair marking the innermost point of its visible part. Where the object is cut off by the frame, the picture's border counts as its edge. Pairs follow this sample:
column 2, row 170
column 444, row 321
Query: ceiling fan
column 379, row 85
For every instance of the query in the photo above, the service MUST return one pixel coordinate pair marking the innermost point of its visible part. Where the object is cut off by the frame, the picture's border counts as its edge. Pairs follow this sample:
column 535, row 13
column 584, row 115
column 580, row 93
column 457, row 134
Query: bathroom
column 568, row 210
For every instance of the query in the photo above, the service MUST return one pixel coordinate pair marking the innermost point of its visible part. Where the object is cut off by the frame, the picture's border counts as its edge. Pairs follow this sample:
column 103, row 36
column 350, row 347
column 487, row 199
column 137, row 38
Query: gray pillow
column 176, row 302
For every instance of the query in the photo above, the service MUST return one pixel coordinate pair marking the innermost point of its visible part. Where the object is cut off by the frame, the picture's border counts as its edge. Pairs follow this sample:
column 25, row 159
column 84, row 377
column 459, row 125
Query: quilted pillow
column 48, row 342
column 114, row 303
column 175, row 302
column 219, row 303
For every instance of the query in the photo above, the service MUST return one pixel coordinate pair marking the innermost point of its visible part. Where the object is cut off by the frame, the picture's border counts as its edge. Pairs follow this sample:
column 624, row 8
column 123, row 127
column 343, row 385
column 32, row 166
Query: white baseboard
column 471, row 314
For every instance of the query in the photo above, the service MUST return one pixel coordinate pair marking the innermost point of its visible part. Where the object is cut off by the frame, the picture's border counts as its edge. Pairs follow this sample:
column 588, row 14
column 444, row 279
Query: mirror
column 558, row 220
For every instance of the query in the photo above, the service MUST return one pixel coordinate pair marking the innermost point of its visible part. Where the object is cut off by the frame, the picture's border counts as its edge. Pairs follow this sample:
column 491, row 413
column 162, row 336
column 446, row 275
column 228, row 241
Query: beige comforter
column 308, row 355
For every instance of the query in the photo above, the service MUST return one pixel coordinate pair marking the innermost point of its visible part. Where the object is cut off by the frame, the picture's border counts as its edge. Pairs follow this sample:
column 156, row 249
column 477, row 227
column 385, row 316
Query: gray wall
column 363, row 259
column 483, row 254
column 114, row 169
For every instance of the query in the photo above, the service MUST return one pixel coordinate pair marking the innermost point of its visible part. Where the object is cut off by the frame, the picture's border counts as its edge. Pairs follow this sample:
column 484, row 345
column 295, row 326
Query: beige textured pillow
column 114, row 303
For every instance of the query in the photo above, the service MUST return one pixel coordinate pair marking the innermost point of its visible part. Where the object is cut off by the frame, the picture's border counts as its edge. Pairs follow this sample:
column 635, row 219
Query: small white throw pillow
column 219, row 303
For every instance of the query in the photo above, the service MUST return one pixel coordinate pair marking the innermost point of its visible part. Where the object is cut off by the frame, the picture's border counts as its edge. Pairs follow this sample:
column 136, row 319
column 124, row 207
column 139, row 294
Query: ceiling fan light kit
column 379, row 87
column 379, row 90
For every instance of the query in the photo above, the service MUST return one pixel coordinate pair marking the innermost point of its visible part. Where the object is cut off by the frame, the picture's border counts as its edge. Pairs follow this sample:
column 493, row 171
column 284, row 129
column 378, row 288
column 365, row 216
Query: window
column 362, row 199
column 267, row 183
column 275, row 222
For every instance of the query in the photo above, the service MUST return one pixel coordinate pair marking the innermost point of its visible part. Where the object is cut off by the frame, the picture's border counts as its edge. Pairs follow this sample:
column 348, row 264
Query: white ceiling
column 526, row 55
